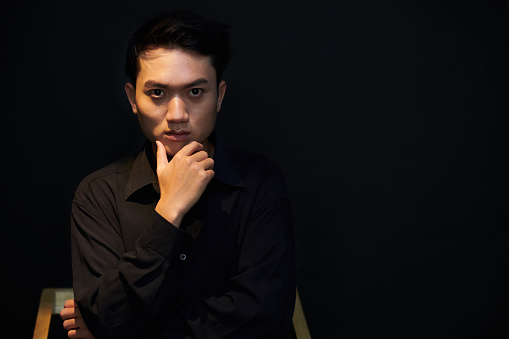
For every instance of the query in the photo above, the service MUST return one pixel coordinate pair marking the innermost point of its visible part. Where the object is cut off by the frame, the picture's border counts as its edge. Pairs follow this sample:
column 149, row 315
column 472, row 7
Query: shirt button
column 183, row 257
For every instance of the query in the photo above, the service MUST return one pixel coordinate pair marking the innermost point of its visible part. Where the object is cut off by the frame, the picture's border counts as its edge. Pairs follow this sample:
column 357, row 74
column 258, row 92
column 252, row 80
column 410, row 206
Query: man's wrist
column 170, row 214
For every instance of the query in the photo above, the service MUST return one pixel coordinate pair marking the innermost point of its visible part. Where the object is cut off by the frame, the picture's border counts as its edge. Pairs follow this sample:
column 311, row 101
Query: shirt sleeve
column 260, row 299
column 116, row 290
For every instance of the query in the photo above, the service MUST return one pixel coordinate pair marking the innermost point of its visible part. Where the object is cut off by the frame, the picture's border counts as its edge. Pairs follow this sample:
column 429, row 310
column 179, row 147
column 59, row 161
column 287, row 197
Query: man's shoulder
column 248, row 162
column 243, row 157
column 109, row 175
column 257, row 170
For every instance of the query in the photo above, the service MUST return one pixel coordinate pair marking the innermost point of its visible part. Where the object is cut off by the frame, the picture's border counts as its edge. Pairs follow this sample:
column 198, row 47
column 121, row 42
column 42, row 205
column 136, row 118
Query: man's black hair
column 180, row 30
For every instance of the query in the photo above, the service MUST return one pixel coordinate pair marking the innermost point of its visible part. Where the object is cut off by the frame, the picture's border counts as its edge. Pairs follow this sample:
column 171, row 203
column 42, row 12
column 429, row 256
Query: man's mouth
column 180, row 135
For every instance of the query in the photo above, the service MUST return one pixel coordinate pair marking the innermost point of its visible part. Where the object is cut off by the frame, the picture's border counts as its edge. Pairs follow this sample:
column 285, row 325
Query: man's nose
column 177, row 110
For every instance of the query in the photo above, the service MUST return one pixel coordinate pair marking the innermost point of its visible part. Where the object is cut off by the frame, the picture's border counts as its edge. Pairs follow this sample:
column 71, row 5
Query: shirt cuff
column 164, row 238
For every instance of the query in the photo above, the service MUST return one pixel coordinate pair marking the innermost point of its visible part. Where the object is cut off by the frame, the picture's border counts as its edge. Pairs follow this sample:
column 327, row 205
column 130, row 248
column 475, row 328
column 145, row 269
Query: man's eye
column 195, row 92
column 157, row 93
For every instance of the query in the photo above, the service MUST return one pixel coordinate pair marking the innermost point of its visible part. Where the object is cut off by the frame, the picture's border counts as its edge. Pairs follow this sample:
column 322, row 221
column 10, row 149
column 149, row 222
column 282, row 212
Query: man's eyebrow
column 197, row 82
column 152, row 83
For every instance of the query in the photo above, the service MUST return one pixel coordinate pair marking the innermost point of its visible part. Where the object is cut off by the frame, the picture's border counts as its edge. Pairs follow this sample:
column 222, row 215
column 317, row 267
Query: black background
column 387, row 119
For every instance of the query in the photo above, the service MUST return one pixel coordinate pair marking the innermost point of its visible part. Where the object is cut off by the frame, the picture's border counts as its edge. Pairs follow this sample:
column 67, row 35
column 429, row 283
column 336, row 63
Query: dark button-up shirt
column 227, row 272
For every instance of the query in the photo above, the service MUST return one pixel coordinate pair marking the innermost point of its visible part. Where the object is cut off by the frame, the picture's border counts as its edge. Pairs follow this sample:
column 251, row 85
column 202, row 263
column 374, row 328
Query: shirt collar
column 143, row 171
column 224, row 169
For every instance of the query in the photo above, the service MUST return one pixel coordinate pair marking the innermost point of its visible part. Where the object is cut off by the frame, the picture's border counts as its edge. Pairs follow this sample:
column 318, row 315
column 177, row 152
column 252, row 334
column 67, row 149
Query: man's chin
column 171, row 150
column 173, row 147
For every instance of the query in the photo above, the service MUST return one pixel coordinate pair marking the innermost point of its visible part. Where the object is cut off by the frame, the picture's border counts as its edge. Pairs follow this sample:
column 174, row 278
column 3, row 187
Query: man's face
column 176, row 98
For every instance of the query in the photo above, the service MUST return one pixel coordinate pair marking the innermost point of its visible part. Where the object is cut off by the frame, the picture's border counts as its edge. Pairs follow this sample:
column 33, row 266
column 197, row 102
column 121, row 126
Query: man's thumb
column 162, row 158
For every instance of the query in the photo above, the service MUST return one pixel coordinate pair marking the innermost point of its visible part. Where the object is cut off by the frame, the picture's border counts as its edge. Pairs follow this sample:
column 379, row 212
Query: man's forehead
column 160, row 64
column 153, row 54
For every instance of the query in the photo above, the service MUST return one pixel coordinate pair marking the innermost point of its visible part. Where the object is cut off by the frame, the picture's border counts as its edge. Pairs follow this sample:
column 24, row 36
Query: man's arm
column 117, row 291
column 182, row 181
column 260, row 299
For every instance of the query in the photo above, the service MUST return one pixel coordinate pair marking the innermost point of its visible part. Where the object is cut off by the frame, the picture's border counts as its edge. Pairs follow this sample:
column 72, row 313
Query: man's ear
column 221, row 90
column 131, row 95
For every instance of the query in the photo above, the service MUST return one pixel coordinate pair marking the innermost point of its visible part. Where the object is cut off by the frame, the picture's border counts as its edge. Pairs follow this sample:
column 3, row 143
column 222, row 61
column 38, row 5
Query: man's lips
column 177, row 135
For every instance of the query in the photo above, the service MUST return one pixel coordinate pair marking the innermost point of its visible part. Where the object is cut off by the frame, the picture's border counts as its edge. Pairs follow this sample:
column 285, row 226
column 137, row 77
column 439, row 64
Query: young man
column 189, row 239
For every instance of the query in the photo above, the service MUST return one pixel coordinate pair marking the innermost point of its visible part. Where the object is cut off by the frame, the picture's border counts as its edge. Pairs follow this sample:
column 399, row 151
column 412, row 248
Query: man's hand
column 182, row 180
column 73, row 322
